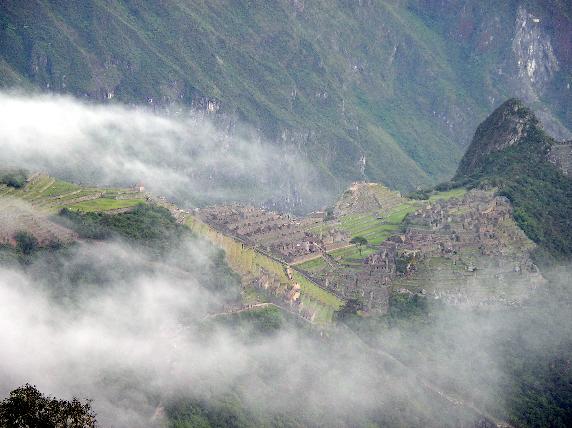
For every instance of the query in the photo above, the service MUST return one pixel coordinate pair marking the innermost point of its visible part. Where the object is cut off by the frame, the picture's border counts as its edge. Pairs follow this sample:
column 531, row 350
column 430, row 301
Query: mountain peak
column 507, row 125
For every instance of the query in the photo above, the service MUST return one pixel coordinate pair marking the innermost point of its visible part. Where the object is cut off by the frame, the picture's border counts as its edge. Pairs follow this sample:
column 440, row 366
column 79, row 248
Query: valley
column 316, row 214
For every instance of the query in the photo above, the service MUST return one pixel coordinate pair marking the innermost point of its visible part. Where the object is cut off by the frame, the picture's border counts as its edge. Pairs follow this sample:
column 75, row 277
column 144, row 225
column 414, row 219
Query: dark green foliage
column 26, row 407
column 405, row 263
column 360, row 241
column 14, row 179
column 224, row 412
column 540, row 194
column 26, row 243
column 147, row 225
column 254, row 323
column 88, row 226
column 349, row 309
column 419, row 195
column 404, row 306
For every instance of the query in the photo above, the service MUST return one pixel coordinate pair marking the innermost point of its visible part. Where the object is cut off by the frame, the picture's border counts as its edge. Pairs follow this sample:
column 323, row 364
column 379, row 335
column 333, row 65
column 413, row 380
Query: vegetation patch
column 540, row 194
column 60, row 187
column 149, row 225
column 105, row 204
column 15, row 179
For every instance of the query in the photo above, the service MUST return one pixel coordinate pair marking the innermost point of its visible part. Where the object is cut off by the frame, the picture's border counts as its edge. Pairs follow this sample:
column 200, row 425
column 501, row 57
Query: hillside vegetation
column 382, row 90
column 510, row 152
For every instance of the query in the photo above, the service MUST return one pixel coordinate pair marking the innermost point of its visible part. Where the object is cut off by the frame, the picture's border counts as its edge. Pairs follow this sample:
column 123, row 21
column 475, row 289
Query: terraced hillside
column 28, row 208
column 463, row 248
column 387, row 244
column 271, row 276
column 49, row 194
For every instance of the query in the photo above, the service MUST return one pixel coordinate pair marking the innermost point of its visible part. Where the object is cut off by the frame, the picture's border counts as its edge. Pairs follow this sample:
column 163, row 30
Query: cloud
column 134, row 337
column 131, row 332
column 106, row 321
column 181, row 155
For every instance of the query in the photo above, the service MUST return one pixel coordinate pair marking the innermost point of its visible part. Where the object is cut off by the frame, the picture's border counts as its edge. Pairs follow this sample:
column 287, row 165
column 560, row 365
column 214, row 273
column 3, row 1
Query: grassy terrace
column 248, row 261
column 373, row 226
column 449, row 194
column 105, row 204
column 59, row 188
column 50, row 194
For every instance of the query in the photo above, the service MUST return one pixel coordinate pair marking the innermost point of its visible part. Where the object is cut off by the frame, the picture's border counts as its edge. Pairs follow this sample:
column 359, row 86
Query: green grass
column 59, row 188
column 374, row 229
column 352, row 253
column 316, row 264
column 328, row 301
column 104, row 204
column 449, row 194
column 80, row 194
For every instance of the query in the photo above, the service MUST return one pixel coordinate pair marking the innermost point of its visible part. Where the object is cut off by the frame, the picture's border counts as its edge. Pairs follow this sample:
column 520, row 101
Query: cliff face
column 519, row 49
column 371, row 90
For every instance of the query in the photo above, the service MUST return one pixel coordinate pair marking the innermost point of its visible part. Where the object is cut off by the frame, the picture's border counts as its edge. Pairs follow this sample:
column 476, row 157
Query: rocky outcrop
column 506, row 126
column 561, row 156
column 535, row 59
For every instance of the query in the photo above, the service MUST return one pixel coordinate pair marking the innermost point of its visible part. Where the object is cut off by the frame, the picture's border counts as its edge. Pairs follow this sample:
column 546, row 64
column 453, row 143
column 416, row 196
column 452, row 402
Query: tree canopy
column 26, row 407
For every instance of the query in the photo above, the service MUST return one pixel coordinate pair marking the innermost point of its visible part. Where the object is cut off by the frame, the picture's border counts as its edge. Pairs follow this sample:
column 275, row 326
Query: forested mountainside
column 387, row 91
column 511, row 152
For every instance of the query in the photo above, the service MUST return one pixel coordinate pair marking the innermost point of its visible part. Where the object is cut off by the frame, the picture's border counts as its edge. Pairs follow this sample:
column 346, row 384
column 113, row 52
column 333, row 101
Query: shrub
column 14, row 179
column 26, row 242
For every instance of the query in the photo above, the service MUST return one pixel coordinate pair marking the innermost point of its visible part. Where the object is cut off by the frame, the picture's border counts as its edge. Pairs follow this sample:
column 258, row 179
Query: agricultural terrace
column 252, row 263
column 375, row 225
column 49, row 194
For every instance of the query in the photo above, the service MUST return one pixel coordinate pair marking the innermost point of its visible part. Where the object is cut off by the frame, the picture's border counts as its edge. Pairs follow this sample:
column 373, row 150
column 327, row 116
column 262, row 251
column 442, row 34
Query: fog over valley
column 181, row 155
column 305, row 214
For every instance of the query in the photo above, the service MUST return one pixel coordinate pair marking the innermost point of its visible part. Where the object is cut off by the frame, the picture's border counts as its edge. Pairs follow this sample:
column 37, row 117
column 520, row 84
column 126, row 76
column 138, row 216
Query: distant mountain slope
column 511, row 151
column 369, row 90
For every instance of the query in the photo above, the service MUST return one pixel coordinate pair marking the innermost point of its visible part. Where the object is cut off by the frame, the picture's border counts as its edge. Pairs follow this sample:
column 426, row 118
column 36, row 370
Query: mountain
column 388, row 91
column 511, row 152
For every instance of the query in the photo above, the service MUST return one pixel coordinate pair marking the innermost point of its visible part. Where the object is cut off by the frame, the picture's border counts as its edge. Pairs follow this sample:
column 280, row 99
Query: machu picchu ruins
column 469, row 243
column 461, row 247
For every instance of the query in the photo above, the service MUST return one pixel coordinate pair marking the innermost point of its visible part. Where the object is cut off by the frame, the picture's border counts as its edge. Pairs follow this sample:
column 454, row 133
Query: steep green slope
column 510, row 152
column 341, row 81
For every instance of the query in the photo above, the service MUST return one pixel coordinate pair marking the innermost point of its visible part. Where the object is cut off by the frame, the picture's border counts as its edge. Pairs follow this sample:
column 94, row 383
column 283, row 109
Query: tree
column 27, row 407
column 329, row 214
column 348, row 309
column 360, row 241
column 14, row 179
column 26, row 242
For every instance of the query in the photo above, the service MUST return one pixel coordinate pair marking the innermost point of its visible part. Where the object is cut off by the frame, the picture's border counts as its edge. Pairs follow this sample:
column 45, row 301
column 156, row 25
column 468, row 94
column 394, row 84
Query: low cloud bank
column 184, row 155
column 136, row 337
column 132, row 335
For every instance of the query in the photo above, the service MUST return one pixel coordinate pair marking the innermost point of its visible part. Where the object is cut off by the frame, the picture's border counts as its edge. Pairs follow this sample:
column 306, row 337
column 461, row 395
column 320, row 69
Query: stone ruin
column 283, row 293
column 284, row 236
column 475, row 234
column 475, row 240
